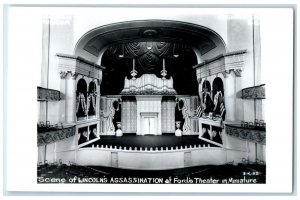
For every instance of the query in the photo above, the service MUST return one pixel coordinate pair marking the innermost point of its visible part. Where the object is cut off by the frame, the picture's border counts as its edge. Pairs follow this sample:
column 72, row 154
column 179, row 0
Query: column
column 68, row 87
column 70, row 93
column 239, row 104
column 230, row 95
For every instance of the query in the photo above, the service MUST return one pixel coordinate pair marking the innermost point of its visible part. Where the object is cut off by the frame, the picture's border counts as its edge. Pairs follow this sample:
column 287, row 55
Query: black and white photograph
column 152, row 96
column 151, row 101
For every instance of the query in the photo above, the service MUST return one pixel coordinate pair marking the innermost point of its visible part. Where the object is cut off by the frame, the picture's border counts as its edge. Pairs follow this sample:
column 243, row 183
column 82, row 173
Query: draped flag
column 199, row 111
column 222, row 108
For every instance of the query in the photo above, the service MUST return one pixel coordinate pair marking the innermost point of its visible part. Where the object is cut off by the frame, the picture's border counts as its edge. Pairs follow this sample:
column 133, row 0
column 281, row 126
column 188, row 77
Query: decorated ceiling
column 199, row 37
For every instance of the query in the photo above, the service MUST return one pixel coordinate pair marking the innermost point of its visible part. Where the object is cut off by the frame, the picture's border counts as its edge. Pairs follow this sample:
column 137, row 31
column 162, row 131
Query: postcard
column 149, row 99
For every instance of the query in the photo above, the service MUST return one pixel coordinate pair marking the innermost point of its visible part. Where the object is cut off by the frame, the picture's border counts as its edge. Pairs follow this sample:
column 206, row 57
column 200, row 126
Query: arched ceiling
column 103, row 44
column 196, row 36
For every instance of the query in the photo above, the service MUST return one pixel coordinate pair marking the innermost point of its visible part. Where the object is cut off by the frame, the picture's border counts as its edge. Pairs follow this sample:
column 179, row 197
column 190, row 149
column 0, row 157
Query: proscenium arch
column 203, row 40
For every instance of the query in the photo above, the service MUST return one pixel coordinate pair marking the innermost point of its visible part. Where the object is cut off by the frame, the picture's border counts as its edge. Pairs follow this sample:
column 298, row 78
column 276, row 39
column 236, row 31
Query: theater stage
column 161, row 141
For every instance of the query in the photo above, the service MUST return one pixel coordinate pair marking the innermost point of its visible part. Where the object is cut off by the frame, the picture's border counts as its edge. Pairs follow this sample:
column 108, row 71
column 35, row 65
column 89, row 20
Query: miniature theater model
column 125, row 87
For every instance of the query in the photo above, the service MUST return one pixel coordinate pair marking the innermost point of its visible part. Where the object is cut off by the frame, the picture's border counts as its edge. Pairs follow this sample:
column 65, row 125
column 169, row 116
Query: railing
column 152, row 149
column 54, row 134
column 44, row 94
column 256, row 92
column 257, row 125
column 249, row 134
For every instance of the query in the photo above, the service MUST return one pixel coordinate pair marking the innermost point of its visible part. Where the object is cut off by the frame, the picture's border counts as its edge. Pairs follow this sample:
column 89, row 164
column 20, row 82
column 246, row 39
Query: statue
column 178, row 132
column 119, row 132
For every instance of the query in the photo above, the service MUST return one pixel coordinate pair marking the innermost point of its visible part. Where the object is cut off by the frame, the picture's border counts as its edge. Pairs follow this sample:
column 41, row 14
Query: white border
column 23, row 179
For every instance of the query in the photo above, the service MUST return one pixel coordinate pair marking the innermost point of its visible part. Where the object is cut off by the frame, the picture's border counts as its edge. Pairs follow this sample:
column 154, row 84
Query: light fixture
column 133, row 73
column 174, row 55
column 122, row 53
column 149, row 45
column 163, row 72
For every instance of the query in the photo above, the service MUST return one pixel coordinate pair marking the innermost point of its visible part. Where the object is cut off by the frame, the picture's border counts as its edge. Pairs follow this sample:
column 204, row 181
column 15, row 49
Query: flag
column 222, row 109
column 199, row 111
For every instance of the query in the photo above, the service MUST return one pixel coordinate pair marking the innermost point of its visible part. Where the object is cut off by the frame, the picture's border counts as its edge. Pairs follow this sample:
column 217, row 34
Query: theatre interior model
column 151, row 93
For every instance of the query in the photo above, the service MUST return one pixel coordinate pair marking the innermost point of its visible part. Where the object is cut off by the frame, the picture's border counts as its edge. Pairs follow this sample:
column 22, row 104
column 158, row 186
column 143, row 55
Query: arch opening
column 149, row 47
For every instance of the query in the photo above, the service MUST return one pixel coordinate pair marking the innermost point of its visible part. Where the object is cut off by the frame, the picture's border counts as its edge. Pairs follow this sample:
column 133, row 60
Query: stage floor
column 165, row 140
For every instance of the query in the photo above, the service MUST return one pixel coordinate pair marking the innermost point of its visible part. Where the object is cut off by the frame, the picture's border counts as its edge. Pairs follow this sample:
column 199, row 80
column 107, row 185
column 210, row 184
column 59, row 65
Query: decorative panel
column 103, row 127
column 44, row 94
column 55, row 135
column 129, row 116
column 76, row 65
column 168, row 116
column 248, row 134
column 231, row 61
column 109, row 115
column 195, row 125
column 194, row 103
column 103, row 104
column 148, row 84
column 187, row 114
column 256, row 92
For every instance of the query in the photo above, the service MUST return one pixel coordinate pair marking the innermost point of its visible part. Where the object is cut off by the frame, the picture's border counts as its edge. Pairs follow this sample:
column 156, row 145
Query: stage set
column 152, row 94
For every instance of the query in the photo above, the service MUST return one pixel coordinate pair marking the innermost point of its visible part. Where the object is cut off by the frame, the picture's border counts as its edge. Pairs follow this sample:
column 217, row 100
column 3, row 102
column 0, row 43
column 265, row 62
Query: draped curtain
column 80, row 101
column 148, row 54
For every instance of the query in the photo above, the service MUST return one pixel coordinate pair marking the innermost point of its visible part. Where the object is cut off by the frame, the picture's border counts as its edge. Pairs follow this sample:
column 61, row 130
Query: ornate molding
column 74, row 65
column 74, row 75
column 225, row 63
column 44, row 94
column 238, row 72
column 251, row 135
column 148, row 84
column 226, row 73
column 63, row 74
column 256, row 92
column 79, row 59
column 55, row 135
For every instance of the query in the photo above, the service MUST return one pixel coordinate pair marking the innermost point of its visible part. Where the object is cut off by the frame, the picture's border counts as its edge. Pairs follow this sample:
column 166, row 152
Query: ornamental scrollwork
column 45, row 94
column 63, row 74
column 226, row 73
column 74, row 75
column 238, row 72
column 257, row 92
column 251, row 135
column 55, row 135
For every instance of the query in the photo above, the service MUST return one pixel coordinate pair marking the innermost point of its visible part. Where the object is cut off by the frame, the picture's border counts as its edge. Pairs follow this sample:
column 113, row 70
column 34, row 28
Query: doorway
column 149, row 126
column 149, row 123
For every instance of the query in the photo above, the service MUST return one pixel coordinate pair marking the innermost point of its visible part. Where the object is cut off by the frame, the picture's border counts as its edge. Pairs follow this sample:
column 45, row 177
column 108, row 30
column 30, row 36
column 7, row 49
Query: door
column 149, row 126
